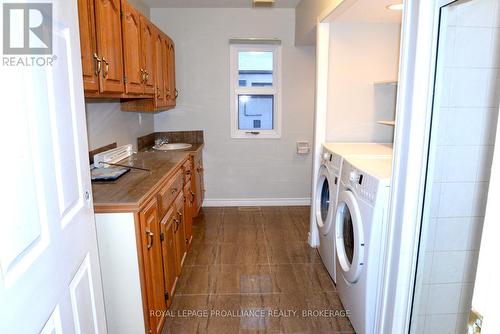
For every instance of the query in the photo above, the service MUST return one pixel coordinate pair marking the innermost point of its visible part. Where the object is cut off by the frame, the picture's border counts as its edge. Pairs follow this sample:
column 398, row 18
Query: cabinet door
column 188, row 213
column 180, row 234
column 171, row 73
column 199, row 187
column 88, row 45
column 166, row 68
column 160, row 63
column 168, row 254
column 153, row 265
column 148, row 55
column 131, row 28
column 109, row 45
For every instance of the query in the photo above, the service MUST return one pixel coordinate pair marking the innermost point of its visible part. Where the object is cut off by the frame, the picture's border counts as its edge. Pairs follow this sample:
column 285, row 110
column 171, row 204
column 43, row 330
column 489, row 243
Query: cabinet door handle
column 176, row 221
column 192, row 197
column 176, row 93
column 106, row 68
column 180, row 215
column 98, row 64
column 188, row 172
column 158, row 94
column 174, row 190
column 150, row 238
column 147, row 76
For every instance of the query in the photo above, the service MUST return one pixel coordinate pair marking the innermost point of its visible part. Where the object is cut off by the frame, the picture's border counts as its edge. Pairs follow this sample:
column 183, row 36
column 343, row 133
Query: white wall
column 465, row 119
column 107, row 124
column 239, row 169
column 361, row 54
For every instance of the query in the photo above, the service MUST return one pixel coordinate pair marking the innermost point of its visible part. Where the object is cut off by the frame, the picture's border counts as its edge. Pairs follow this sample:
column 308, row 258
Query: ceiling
column 214, row 3
column 369, row 11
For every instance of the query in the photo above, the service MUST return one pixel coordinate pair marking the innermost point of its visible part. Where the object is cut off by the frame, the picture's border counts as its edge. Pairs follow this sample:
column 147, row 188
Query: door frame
column 419, row 46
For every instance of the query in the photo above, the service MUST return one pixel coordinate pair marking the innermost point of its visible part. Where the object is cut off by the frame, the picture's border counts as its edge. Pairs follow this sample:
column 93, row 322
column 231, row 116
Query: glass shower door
column 462, row 140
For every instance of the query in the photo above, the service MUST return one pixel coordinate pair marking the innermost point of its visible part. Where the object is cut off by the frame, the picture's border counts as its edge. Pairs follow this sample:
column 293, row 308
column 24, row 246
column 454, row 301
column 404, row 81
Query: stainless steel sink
column 172, row 147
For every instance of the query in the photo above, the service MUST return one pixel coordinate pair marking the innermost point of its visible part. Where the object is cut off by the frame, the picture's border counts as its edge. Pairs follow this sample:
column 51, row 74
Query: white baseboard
column 256, row 202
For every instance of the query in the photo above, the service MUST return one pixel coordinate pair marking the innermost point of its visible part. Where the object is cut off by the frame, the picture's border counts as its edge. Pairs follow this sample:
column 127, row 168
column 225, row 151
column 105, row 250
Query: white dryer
column 327, row 185
column 360, row 229
column 325, row 202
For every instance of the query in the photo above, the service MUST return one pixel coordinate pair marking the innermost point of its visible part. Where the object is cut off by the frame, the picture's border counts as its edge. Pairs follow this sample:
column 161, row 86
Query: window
column 255, row 91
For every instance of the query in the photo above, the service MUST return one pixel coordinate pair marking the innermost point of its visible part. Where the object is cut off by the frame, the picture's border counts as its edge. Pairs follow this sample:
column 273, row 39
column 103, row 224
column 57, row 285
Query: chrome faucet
column 161, row 141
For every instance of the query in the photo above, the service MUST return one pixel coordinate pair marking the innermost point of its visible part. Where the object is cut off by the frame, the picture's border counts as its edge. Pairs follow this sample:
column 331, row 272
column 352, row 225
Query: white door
column 49, row 272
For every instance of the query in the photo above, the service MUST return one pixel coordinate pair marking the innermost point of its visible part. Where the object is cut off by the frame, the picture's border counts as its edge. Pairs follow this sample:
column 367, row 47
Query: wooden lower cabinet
column 167, row 237
column 198, row 186
column 180, row 234
column 188, row 213
column 153, row 265
column 142, row 253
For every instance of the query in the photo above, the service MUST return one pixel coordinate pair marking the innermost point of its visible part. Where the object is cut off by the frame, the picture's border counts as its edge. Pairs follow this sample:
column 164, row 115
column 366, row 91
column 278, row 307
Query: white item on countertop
column 113, row 156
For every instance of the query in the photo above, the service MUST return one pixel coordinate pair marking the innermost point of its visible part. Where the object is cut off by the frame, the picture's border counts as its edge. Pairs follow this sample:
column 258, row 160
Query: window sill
column 259, row 135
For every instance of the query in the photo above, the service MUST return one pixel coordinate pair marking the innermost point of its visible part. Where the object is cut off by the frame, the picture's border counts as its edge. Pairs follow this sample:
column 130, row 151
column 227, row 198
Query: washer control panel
column 333, row 159
column 365, row 186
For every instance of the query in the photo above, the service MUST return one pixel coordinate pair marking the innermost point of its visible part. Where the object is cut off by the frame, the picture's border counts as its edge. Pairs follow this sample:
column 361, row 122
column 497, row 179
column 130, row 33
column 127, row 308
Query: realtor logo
column 27, row 28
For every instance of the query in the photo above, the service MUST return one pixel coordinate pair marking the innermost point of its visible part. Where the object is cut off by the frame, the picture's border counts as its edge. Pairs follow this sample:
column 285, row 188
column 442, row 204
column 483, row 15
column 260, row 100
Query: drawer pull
column 174, row 190
column 150, row 238
column 188, row 172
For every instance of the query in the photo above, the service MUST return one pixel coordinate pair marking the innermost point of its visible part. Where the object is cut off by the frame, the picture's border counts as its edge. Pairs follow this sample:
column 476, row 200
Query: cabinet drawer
column 169, row 192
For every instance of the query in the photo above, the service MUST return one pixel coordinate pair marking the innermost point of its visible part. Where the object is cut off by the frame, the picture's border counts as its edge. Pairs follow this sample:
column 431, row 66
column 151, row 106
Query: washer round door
column 326, row 193
column 350, row 242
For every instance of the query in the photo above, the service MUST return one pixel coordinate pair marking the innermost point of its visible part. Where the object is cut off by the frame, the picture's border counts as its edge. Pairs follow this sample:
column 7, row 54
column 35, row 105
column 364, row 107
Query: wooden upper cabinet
column 109, row 45
column 132, row 49
column 125, row 56
column 165, row 49
column 153, row 263
column 88, row 45
column 161, row 73
column 148, row 55
column 171, row 85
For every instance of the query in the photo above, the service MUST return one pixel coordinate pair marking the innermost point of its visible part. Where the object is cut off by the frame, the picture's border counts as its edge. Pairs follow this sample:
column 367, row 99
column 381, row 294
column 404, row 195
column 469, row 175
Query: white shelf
column 390, row 123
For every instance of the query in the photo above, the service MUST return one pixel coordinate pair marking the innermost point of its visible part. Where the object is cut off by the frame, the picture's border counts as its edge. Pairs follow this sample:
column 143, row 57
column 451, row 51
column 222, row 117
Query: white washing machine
column 360, row 229
column 327, row 185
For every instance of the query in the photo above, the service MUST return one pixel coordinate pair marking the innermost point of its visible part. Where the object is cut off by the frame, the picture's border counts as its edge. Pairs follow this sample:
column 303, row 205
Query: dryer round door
column 325, row 197
column 350, row 242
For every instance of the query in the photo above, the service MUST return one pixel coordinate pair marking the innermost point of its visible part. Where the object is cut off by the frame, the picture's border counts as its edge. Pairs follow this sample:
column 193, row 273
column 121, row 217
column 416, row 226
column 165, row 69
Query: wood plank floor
column 251, row 270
